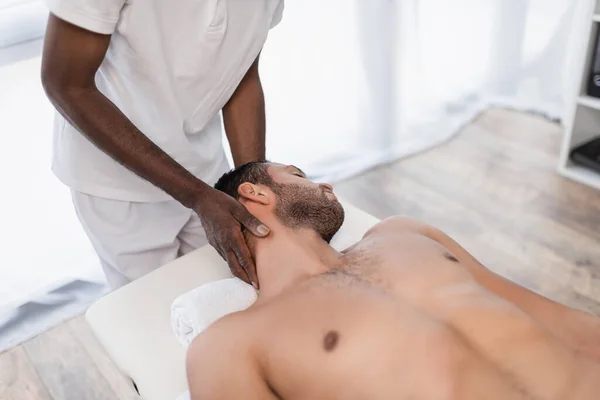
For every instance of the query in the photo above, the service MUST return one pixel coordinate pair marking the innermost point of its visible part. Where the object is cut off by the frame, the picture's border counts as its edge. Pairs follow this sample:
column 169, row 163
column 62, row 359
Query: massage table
column 133, row 323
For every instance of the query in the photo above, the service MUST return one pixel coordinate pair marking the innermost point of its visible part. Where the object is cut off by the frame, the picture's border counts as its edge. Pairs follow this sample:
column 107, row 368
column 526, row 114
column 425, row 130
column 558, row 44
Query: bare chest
column 353, row 340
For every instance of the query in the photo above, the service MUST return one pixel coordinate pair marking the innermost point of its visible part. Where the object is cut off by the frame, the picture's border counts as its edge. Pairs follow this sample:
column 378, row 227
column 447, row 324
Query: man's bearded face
column 308, row 207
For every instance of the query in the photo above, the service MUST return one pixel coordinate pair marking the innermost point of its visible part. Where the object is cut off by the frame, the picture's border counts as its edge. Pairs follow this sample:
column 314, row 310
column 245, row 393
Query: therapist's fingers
column 235, row 267
column 245, row 259
column 251, row 223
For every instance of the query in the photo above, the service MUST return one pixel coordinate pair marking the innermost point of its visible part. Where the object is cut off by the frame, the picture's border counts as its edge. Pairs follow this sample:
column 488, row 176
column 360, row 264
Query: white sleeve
column 278, row 15
column 100, row 16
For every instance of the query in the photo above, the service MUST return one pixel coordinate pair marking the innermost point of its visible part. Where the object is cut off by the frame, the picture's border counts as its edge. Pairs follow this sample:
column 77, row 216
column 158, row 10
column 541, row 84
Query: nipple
column 450, row 257
column 331, row 340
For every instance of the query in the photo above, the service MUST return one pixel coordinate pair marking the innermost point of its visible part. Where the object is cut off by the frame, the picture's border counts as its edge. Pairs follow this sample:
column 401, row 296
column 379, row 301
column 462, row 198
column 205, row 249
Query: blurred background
column 350, row 85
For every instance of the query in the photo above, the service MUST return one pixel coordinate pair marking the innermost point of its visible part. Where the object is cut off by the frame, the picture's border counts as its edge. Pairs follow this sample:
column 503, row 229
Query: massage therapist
column 142, row 89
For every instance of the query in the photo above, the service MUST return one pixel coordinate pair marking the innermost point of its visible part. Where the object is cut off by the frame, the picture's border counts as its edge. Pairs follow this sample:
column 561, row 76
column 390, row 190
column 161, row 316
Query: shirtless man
column 406, row 313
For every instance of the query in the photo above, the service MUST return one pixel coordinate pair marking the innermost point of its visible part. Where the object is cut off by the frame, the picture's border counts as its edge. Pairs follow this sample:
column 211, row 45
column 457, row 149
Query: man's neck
column 287, row 257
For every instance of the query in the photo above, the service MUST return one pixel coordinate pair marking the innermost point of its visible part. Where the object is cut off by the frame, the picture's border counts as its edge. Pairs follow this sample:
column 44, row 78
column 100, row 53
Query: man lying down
column 406, row 313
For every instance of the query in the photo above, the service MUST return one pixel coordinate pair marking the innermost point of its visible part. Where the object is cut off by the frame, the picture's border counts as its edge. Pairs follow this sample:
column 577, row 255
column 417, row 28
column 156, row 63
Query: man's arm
column 220, row 366
column 71, row 58
column 244, row 119
column 580, row 330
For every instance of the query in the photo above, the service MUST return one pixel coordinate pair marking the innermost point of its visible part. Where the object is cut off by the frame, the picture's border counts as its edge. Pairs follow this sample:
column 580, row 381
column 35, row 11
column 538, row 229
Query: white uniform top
column 170, row 68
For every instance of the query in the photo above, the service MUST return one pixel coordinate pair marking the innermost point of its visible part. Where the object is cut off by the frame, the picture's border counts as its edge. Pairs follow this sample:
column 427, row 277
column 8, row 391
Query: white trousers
column 132, row 239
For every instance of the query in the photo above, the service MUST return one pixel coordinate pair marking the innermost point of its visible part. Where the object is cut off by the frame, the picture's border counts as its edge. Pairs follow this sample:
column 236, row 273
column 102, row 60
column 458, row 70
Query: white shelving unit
column 583, row 120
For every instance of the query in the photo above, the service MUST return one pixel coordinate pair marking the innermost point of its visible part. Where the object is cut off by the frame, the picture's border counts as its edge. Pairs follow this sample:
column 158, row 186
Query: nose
column 326, row 186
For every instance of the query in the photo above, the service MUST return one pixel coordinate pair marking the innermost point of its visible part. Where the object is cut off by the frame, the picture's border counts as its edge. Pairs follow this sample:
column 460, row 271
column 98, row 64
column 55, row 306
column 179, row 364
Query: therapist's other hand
column 223, row 218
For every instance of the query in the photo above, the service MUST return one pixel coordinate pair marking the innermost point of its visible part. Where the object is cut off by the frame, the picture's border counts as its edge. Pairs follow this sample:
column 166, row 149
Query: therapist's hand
column 223, row 219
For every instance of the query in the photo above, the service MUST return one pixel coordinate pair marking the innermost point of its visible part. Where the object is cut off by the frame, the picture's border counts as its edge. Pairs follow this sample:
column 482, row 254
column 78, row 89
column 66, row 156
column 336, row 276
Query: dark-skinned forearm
column 244, row 120
column 108, row 128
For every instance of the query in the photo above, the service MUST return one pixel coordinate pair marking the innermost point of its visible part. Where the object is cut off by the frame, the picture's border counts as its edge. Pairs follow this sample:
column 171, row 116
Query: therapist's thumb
column 252, row 224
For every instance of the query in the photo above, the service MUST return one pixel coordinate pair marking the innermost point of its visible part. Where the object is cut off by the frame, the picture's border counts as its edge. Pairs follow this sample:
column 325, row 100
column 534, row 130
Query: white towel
column 193, row 312
column 184, row 396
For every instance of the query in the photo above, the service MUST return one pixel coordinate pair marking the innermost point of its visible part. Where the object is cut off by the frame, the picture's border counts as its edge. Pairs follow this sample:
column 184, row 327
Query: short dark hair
column 255, row 172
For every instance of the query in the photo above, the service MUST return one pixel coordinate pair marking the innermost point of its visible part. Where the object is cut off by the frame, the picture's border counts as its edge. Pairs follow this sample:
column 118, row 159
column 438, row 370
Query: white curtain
column 351, row 84
column 21, row 21
column 43, row 245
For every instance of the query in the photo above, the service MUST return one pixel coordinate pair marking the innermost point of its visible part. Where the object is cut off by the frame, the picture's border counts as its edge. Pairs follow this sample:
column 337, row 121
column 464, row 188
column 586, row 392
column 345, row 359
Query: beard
column 309, row 208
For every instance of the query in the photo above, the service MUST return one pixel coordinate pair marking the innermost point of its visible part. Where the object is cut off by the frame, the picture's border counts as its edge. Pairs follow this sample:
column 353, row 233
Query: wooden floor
column 494, row 188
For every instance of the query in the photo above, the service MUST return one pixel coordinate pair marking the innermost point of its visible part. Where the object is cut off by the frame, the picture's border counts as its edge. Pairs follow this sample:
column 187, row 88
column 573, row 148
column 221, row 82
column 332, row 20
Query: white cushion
column 133, row 323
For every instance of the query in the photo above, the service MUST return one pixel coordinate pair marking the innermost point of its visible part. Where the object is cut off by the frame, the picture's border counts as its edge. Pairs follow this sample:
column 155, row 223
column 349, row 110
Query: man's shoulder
column 228, row 332
column 398, row 224
column 222, row 362
column 222, row 345
column 392, row 227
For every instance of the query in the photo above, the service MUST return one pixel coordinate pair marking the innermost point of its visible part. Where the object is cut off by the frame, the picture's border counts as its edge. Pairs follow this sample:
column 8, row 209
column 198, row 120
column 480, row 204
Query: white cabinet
column 583, row 119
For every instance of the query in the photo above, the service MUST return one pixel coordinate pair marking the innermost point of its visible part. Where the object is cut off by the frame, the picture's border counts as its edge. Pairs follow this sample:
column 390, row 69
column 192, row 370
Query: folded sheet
column 194, row 311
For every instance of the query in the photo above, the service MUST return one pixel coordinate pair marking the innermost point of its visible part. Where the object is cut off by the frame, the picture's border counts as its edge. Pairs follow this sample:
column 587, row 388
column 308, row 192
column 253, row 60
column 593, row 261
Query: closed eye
column 296, row 171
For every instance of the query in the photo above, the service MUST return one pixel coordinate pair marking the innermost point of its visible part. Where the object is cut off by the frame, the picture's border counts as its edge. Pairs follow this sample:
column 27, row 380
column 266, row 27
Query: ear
column 255, row 193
